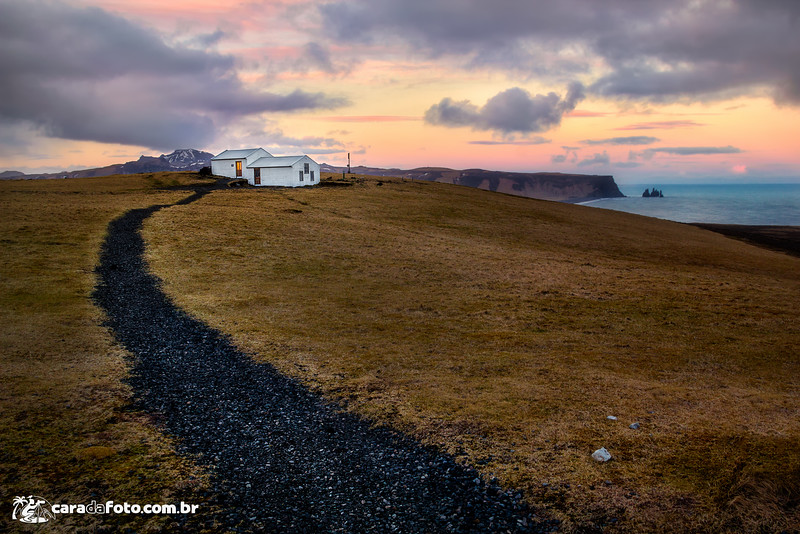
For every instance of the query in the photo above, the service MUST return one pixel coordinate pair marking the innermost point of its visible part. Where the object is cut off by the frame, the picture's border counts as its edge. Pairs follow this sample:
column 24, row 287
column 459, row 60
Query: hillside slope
column 505, row 330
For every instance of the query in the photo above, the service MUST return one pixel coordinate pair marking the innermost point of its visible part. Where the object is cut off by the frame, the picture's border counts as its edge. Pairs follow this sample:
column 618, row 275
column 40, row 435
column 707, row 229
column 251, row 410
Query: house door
column 238, row 169
column 257, row 176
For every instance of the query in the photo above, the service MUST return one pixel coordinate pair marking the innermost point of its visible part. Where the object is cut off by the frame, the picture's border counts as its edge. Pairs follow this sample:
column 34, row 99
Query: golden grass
column 505, row 330
column 65, row 433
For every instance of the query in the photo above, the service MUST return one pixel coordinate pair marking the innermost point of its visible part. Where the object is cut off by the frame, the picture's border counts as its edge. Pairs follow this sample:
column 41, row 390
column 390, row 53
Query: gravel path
column 282, row 459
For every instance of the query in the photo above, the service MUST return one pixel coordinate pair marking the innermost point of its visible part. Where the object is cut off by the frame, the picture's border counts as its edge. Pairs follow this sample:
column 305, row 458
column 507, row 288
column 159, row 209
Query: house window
column 301, row 175
column 312, row 176
column 305, row 168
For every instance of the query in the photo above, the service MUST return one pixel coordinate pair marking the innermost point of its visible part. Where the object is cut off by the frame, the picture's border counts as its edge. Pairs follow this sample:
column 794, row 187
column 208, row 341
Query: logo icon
column 32, row 509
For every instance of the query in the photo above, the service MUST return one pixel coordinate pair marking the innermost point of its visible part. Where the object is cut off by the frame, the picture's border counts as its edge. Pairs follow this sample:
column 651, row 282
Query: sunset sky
column 693, row 91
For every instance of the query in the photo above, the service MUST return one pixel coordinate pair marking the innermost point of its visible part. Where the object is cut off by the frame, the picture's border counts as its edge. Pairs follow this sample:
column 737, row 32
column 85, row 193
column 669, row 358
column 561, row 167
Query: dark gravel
column 781, row 238
column 281, row 457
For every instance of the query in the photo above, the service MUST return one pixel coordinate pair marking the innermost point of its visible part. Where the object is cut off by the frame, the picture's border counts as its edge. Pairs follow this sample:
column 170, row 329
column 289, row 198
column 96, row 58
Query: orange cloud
column 371, row 118
column 661, row 125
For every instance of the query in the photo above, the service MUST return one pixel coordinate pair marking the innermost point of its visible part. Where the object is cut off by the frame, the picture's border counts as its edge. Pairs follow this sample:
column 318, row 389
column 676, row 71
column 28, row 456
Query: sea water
column 757, row 204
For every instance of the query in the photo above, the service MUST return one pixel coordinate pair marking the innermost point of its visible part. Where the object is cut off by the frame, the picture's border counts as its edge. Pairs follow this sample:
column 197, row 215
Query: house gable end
column 247, row 154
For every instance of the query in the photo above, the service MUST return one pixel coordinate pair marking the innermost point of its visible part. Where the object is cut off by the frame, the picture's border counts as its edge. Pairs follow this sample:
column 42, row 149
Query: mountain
column 183, row 159
column 542, row 185
column 11, row 174
column 189, row 157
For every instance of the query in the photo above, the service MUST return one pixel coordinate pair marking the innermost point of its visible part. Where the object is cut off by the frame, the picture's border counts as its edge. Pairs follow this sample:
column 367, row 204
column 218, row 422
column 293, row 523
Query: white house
column 259, row 167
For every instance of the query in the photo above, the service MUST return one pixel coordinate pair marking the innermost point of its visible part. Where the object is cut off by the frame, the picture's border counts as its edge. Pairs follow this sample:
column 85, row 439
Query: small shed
column 260, row 168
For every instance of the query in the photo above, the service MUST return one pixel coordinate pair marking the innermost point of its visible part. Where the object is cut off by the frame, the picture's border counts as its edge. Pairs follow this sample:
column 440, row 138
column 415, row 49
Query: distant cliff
column 542, row 185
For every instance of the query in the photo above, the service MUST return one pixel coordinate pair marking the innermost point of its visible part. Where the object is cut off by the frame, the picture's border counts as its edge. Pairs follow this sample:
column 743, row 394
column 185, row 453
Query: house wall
column 227, row 168
column 247, row 174
column 223, row 167
column 289, row 176
column 300, row 166
column 277, row 176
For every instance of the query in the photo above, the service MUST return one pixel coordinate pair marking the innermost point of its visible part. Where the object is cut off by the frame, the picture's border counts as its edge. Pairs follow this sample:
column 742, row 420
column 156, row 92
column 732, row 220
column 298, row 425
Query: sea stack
column 653, row 193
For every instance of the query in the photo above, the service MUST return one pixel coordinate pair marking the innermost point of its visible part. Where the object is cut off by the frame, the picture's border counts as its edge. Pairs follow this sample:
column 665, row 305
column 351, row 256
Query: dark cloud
column 319, row 56
column 513, row 110
column 85, row 74
column 712, row 49
column 686, row 151
column 209, row 39
column 442, row 26
column 451, row 113
column 695, row 150
column 633, row 140
column 659, row 51
column 597, row 159
column 570, row 154
column 536, row 140
column 277, row 138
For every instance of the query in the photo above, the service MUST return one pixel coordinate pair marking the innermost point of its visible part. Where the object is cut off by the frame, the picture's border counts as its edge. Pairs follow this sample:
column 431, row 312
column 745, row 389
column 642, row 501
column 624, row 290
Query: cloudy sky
column 696, row 90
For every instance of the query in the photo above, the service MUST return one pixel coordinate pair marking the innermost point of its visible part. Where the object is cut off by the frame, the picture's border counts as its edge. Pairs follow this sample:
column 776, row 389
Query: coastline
column 780, row 238
column 585, row 200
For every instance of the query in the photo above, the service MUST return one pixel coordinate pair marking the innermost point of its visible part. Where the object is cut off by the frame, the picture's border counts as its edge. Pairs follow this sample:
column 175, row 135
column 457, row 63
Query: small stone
column 634, row 426
column 612, row 417
column 601, row 455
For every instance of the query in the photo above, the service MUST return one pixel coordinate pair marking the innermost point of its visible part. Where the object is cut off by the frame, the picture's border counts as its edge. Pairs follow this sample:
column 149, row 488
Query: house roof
column 279, row 161
column 235, row 154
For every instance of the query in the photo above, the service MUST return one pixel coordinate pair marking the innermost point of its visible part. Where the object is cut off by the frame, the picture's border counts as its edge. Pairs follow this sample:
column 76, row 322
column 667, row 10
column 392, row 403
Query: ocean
column 756, row 204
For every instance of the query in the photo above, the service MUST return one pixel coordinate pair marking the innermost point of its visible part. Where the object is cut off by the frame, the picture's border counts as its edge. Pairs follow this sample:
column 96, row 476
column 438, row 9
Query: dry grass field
column 505, row 331
column 66, row 433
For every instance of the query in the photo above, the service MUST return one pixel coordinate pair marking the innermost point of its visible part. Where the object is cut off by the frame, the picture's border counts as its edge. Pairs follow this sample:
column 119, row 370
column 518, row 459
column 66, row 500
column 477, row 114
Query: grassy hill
column 67, row 432
column 506, row 330
column 502, row 329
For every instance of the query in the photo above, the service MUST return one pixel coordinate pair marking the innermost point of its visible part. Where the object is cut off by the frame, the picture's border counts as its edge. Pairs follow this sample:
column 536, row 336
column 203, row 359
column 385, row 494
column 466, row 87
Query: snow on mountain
column 185, row 158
